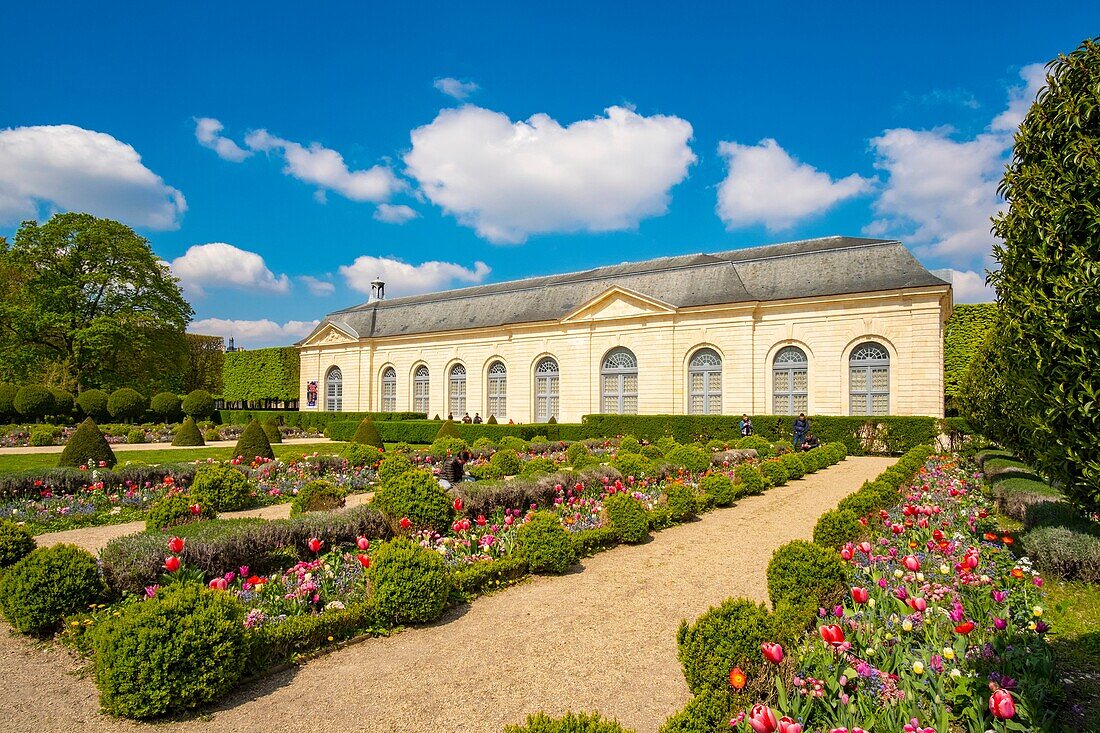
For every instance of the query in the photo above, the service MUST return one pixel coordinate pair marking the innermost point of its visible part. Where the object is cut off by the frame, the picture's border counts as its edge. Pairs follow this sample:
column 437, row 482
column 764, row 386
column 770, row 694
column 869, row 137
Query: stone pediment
column 618, row 303
column 329, row 334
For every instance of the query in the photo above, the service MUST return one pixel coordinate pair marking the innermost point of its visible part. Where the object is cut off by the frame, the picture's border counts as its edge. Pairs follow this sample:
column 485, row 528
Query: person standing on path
column 801, row 427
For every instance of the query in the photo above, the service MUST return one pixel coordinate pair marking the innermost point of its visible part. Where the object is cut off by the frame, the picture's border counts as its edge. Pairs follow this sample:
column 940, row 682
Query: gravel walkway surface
column 598, row 639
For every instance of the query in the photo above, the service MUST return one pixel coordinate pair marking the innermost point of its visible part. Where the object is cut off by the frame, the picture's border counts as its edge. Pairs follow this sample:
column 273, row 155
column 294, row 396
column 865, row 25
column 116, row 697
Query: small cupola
column 377, row 289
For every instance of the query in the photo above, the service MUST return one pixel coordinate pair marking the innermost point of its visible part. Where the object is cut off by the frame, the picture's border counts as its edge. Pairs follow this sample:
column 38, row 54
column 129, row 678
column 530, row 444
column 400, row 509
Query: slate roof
column 807, row 268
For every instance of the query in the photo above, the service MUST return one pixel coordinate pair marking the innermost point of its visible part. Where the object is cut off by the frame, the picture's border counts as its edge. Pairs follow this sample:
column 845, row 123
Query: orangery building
column 831, row 326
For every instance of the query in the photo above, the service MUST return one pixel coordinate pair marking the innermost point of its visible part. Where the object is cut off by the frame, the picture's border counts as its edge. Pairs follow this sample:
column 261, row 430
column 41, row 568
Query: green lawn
column 1075, row 636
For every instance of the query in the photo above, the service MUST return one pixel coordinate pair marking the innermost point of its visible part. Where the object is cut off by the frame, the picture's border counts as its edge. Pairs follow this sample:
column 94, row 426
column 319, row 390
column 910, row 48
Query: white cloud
column 222, row 265
column 454, row 88
column 509, row 180
column 941, row 191
column 401, row 278
column 765, row 185
column 326, row 168
column 968, row 286
column 317, row 286
column 206, row 132
column 70, row 168
column 254, row 334
column 395, row 213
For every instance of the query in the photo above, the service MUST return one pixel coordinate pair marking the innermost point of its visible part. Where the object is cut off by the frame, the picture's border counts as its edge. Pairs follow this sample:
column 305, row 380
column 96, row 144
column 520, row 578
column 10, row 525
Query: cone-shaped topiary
column 87, row 445
column 448, row 430
column 271, row 430
column 492, row 420
column 367, row 434
column 188, row 433
column 253, row 443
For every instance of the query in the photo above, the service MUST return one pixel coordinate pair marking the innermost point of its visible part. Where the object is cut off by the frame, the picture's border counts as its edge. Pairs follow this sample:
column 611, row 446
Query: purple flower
column 1000, row 624
column 1000, row 595
column 151, row 590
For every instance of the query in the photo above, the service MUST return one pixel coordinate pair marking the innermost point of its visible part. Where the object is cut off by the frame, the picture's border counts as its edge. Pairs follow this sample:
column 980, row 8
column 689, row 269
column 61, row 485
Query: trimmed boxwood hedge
column 423, row 432
column 312, row 419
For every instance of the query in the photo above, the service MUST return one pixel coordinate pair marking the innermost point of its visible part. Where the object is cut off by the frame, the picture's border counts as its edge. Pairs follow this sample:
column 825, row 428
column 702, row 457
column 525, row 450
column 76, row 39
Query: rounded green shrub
column 393, row 465
column 511, row 442
column 628, row 518
column 837, row 527
column 633, row 464
column 862, row 502
column 750, row 482
column 126, row 404
column 253, row 443
column 724, row 637
column 537, row 467
column 16, row 543
column 681, row 502
column 222, row 487
column 211, row 435
column 93, row 403
column 754, row 442
column 33, row 402
column 707, row 712
column 43, row 435
column 692, row 458
column 484, row 471
column 135, row 435
column 410, row 583
column 198, row 404
column 448, row 445
column 415, row 494
column 577, row 453
column 507, row 461
column 545, row 544
column 569, row 723
column 188, row 433
column 796, row 469
column 361, row 454
column 367, row 434
column 87, row 446
column 720, row 487
column 629, row 444
column 62, row 402
column 165, row 405
column 48, row 584
column 774, row 473
column 653, row 453
column 181, row 649
column 484, row 444
column 317, row 496
column 174, row 509
column 840, row 449
column 803, row 572
column 790, row 620
column 7, row 402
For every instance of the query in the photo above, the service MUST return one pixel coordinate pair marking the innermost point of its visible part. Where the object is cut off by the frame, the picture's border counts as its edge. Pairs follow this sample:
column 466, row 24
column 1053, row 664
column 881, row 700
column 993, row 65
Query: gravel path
column 602, row 639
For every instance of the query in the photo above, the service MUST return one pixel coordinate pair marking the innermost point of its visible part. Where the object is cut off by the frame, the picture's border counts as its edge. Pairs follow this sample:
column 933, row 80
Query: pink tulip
column 788, row 725
column 911, row 563
column 772, row 652
column 1001, row 705
column 219, row 584
column 363, row 543
column 918, row 604
column 762, row 719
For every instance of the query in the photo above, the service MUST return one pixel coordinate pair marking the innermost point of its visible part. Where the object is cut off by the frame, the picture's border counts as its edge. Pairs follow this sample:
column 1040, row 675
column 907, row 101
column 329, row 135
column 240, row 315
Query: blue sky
column 282, row 155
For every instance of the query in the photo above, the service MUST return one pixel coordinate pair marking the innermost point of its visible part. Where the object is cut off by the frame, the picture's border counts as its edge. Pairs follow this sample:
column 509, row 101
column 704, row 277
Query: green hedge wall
column 261, row 374
column 424, row 431
column 962, row 335
column 309, row 418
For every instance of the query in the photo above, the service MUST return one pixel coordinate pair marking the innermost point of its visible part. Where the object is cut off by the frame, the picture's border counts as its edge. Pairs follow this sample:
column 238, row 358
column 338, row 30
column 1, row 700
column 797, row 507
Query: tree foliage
column 205, row 361
column 262, row 374
column 963, row 335
column 1048, row 284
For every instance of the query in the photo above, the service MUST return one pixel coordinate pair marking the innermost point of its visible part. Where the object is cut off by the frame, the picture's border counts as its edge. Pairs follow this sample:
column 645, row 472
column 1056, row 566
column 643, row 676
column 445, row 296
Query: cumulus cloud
column 68, row 167
column 401, row 278
column 765, row 185
column 968, row 286
column 206, row 132
column 1020, row 98
column 317, row 286
column 509, row 180
column 218, row 264
column 326, row 168
column 395, row 213
column 254, row 334
column 454, row 88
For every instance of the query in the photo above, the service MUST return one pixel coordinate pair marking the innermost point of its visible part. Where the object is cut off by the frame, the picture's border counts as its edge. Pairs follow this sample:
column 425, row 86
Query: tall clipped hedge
column 1047, row 282
column 261, row 374
column 963, row 335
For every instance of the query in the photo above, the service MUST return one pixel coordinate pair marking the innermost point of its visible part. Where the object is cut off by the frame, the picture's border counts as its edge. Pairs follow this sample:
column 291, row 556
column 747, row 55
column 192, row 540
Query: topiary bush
column 165, row 405
column 1071, row 552
column 415, row 494
column 183, row 648
column 754, row 442
column 750, row 482
column 633, row 464
column 410, row 583
column 794, row 466
column 7, row 402
column 484, row 471
column 628, row 518
column 222, row 487
column 271, row 430
column 33, row 402
column 629, row 444
column 537, row 467
column 126, row 404
column 836, row 528
column 707, row 712
column 93, row 403
column 367, row 434
column 359, row 454
column 87, row 446
column 507, row 462
column 578, row 454
column 545, row 544
column 253, row 443
column 691, row 457
column 174, row 509
column 188, row 433
column 135, row 435
column 681, row 502
column 43, row 435
column 774, row 473
column 48, row 584
column 16, row 543
column 448, row 430
column 720, row 487
column 569, row 723
column 446, row 446
column 317, row 496
column 513, row 442
column 62, row 403
column 724, row 637
column 198, row 404
column 803, row 572
column 393, row 466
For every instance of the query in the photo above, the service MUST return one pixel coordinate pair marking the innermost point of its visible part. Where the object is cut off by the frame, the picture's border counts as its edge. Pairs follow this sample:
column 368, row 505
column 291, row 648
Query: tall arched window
column 498, row 390
column 869, row 380
column 421, row 384
column 790, row 382
column 620, row 382
column 456, row 384
column 705, row 383
column 546, row 389
column 334, row 390
column 389, row 390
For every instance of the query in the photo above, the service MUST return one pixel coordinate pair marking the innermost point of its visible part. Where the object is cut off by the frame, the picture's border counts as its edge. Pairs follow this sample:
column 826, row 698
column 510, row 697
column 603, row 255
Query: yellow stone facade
column 907, row 322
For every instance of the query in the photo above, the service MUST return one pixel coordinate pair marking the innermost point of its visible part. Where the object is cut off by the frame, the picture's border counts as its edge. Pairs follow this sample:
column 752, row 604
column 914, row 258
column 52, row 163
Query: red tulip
column 171, row 563
column 405, row 523
column 964, row 628
column 1002, row 705
column 457, row 504
column 737, row 678
column 832, row 635
column 762, row 719
column 195, row 509
column 481, row 520
column 176, row 545
column 788, row 725
column 911, row 563
column 860, row 595
column 363, row 543
column 364, row 560
column 772, row 652
column 315, row 544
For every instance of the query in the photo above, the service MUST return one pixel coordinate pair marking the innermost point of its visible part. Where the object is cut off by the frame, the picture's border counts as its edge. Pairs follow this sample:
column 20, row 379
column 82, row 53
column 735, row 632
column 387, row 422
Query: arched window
column 456, row 383
column 869, row 380
column 421, row 383
column 498, row 390
column 705, row 383
column 790, row 382
column 620, row 382
column 334, row 390
column 546, row 389
column 389, row 390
